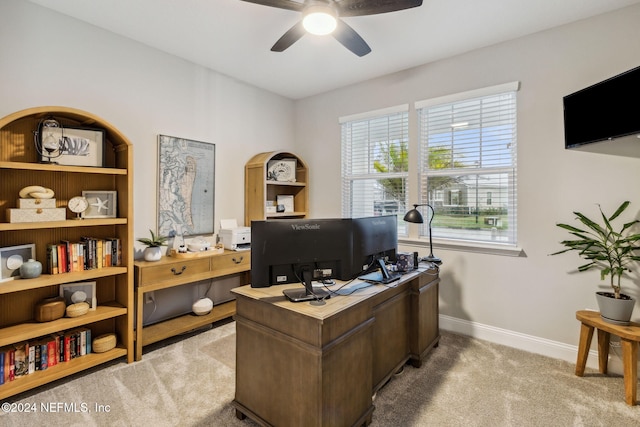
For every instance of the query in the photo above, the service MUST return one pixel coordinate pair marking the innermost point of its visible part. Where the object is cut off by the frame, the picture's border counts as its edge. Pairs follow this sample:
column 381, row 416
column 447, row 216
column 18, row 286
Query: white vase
column 153, row 253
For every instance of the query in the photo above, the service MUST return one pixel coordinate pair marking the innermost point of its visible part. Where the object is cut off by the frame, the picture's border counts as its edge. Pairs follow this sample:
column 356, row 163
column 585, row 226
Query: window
column 468, row 164
column 375, row 164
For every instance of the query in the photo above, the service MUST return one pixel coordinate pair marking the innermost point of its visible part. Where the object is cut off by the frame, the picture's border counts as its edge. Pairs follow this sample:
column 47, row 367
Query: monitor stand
column 315, row 296
column 382, row 276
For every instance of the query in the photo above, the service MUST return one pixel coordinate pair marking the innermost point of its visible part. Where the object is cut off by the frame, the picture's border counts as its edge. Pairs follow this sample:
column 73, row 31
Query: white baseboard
column 529, row 343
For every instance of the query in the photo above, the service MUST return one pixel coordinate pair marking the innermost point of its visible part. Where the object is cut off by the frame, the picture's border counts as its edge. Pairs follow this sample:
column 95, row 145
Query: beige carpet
column 464, row 382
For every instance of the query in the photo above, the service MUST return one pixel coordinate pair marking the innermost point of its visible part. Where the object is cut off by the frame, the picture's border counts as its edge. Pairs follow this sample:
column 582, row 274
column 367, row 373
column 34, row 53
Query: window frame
column 349, row 178
column 508, row 247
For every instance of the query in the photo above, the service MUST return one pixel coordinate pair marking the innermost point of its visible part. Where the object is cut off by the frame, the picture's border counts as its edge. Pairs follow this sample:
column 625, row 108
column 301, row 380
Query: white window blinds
column 468, row 165
column 375, row 164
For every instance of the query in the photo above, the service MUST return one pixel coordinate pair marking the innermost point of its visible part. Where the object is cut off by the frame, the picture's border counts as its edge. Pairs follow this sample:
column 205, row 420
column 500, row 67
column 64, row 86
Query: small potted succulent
column 612, row 252
column 153, row 251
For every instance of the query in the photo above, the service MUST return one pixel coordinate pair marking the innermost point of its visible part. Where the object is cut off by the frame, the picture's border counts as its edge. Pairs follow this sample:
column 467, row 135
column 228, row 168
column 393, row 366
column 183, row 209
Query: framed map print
column 186, row 183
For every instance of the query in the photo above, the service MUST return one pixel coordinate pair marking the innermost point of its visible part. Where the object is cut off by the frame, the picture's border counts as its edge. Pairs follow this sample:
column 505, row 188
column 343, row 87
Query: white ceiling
column 234, row 37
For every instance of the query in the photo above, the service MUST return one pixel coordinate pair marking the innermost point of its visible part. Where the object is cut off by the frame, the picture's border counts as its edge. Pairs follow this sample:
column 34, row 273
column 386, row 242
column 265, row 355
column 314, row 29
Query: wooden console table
column 629, row 338
column 299, row 364
column 175, row 271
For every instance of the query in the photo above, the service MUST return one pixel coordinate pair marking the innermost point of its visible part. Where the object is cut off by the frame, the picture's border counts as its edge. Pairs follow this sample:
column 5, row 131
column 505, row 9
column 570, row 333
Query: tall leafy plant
column 604, row 248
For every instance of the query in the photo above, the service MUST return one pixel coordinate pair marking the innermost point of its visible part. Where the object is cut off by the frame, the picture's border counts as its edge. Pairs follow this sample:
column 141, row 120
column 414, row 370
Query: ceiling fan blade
column 280, row 4
column 290, row 37
column 373, row 7
column 350, row 39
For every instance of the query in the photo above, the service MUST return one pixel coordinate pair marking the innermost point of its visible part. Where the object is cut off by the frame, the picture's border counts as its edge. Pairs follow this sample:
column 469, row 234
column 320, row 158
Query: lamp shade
column 414, row 216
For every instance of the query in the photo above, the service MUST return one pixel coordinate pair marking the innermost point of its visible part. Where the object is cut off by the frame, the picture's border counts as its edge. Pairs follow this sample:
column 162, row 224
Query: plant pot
column 615, row 310
column 153, row 253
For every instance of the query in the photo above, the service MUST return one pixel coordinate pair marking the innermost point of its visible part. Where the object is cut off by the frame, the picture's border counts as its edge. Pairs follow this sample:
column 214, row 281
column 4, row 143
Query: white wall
column 534, row 294
column 50, row 59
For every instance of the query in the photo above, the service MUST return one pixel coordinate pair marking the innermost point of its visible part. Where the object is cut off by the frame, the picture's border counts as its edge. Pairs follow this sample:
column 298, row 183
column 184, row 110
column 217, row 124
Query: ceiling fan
column 326, row 14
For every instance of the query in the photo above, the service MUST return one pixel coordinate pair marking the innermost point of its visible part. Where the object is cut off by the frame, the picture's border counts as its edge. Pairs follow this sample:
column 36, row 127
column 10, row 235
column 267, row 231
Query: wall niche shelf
column 19, row 168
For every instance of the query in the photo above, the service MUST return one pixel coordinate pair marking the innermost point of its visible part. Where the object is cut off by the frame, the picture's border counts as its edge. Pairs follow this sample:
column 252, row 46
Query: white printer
column 233, row 237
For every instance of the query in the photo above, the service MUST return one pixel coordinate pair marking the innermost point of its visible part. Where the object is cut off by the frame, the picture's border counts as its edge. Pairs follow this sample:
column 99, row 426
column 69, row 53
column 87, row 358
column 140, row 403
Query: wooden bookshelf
column 19, row 168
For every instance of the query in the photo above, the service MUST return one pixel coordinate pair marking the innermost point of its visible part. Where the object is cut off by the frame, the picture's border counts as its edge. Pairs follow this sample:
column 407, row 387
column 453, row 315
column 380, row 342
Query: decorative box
column 404, row 261
column 36, row 215
column 50, row 309
column 36, row 203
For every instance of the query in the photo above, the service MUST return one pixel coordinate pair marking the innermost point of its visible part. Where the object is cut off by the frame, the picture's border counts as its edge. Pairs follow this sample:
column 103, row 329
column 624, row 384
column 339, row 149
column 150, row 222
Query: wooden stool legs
column 629, row 342
column 630, row 363
column 586, row 333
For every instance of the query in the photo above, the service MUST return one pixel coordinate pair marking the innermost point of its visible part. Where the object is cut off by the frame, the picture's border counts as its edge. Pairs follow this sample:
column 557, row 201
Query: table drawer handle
column 236, row 260
column 177, row 273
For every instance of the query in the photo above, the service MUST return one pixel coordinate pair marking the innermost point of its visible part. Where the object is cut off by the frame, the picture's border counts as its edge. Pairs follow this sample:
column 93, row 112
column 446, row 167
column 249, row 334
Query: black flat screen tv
column 603, row 111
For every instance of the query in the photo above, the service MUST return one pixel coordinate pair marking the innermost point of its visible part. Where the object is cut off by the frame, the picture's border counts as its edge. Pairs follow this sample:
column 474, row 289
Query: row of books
column 87, row 254
column 18, row 360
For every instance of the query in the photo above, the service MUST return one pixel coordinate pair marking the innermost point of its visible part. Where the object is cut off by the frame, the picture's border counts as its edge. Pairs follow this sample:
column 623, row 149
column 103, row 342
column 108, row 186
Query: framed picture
column 79, row 292
column 186, row 186
column 102, row 204
column 286, row 200
column 282, row 170
column 75, row 146
column 12, row 257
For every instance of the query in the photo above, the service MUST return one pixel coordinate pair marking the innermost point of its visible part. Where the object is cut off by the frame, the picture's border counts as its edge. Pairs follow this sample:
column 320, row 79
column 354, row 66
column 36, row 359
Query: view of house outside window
column 466, row 165
column 468, row 168
column 375, row 165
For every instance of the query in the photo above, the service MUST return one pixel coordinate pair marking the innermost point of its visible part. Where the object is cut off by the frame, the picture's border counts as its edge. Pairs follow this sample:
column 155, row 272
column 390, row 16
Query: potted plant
column 153, row 251
column 612, row 252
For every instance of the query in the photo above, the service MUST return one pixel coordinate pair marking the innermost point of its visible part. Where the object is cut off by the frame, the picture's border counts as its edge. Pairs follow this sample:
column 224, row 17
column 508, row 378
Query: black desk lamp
column 416, row 217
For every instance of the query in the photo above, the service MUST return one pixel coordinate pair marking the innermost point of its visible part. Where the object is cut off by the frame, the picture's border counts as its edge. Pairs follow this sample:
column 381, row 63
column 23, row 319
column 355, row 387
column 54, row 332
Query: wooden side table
column 629, row 338
column 177, row 271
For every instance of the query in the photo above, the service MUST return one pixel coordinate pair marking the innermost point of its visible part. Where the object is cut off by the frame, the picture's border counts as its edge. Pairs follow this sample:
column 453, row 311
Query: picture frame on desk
column 78, row 146
column 102, row 204
column 71, row 291
column 12, row 257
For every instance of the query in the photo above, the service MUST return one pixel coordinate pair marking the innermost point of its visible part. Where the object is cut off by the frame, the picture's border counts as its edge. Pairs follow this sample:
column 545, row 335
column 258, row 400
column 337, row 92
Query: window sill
column 465, row 246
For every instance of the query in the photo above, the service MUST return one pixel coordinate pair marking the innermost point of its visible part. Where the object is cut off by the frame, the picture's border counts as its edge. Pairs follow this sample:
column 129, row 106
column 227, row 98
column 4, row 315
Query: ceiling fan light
column 319, row 20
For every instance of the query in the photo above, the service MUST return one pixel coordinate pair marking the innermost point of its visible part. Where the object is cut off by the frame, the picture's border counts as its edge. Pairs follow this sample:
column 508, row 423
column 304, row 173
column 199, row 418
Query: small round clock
column 77, row 205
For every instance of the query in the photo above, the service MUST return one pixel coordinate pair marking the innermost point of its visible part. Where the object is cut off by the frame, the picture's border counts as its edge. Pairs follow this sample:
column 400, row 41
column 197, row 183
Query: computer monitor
column 306, row 250
column 300, row 251
column 375, row 241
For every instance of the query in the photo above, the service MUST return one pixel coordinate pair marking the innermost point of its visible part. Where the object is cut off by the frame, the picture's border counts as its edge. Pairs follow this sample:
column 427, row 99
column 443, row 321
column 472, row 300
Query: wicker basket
column 77, row 309
column 103, row 343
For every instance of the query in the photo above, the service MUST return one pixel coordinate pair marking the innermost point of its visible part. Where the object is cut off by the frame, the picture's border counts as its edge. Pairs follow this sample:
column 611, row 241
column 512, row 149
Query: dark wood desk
column 299, row 364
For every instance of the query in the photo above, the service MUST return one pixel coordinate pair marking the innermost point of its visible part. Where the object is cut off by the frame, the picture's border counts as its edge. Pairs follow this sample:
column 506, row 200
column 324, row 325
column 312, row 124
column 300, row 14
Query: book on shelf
column 28, row 357
column 87, row 254
column 53, row 347
column 41, row 354
column 52, row 259
column 8, row 354
column 32, row 359
column 21, row 359
column 2, row 353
